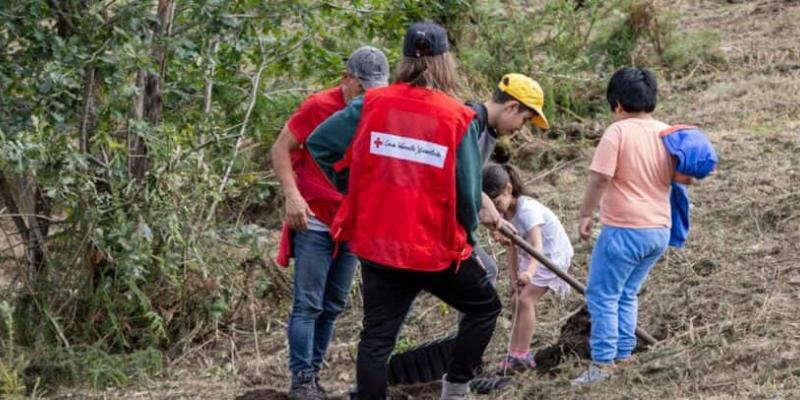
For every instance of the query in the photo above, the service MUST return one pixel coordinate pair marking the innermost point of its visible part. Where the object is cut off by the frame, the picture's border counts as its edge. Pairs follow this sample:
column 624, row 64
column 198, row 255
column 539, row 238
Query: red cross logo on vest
column 378, row 143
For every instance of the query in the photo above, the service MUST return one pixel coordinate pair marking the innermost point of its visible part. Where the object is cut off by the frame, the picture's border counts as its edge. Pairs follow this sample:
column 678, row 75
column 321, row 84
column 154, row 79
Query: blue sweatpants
column 621, row 260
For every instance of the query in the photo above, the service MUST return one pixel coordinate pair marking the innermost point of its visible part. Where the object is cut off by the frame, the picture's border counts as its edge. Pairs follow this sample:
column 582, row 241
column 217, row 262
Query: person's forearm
column 511, row 254
column 282, row 162
column 488, row 214
column 536, row 240
column 526, row 264
column 486, row 202
column 683, row 179
column 595, row 189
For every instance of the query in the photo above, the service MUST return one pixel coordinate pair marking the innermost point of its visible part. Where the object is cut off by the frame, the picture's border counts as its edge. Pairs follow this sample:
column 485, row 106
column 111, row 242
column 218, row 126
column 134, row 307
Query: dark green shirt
column 330, row 140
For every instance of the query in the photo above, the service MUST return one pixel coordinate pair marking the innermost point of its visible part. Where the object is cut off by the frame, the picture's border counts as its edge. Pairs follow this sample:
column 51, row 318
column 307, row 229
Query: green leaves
column 136, row 263
column 132, row 260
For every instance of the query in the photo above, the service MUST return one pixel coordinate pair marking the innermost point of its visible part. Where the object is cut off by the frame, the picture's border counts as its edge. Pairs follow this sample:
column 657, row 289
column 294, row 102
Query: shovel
column 428, row 362
column 528, row 248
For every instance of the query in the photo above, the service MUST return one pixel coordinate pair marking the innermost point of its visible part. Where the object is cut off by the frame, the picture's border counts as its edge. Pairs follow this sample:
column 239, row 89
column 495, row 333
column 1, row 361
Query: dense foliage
column 133, row 141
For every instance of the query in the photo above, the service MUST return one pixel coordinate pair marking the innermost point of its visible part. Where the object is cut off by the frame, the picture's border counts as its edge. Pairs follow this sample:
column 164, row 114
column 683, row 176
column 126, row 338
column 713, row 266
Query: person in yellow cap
column 517, row 92
column 516, row 100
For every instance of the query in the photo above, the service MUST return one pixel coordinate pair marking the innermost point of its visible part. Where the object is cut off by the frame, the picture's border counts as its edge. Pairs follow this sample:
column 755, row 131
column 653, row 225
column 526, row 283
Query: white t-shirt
column 555, row 242
column 314, row 224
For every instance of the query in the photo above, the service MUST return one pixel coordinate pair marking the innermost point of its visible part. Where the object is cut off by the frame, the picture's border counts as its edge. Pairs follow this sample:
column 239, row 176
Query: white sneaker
column 454, row 391
column 595, row 373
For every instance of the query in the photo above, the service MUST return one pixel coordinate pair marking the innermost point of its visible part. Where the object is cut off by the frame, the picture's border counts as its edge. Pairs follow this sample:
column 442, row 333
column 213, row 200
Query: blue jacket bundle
column 695, row 157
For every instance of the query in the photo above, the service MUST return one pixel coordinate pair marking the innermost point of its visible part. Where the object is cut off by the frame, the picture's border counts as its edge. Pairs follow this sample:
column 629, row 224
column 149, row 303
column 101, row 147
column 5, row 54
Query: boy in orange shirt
column 629, row 179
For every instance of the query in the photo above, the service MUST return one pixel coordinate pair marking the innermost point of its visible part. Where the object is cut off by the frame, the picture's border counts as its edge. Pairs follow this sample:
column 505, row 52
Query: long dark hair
column 497, row 176
column 435, row 72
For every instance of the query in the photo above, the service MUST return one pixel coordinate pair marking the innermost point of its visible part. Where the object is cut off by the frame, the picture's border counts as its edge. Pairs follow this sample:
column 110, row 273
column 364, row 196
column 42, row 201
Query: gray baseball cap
column 370, row 66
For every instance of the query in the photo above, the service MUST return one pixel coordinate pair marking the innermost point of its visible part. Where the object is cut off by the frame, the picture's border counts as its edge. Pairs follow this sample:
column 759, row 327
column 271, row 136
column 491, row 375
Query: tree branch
column 256, row 79
column 88, row 118
column 37, row 216
column 209, row 79
column 253, row 96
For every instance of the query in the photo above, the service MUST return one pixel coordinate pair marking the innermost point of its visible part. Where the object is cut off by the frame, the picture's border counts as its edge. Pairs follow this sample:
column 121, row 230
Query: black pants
column 388, row 294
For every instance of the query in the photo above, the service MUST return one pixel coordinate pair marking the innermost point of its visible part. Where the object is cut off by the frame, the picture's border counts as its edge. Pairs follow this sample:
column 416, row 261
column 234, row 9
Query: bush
column 133, row 138
column 132, row 142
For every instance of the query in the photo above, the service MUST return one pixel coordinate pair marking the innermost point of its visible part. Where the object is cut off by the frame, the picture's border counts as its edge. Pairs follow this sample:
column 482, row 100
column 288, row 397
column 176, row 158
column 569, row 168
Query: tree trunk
column 29, row 205
column 148, row 106
column 11, row 205
column 43, row 209
column 24, row 206
column 62, row 9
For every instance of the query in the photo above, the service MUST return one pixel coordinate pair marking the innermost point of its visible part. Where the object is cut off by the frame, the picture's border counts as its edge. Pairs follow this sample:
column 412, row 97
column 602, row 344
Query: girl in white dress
column 529, row 280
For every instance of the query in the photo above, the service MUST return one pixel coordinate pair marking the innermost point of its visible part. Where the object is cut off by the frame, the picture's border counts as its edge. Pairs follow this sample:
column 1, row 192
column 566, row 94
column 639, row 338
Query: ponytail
column 517, row 186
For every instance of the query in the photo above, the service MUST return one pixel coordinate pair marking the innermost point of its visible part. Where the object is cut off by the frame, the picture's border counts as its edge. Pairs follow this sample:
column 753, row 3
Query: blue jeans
column 321, row 288
column 621, row 260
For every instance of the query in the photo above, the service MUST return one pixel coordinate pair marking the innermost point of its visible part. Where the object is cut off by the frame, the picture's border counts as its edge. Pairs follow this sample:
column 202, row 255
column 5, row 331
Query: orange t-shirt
column 632, row 153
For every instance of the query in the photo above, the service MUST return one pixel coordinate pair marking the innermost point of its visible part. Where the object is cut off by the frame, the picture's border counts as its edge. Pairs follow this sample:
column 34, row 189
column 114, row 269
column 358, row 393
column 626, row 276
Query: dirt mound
column 264, row 394
column 574, row 340
column 428, row 390
column 705, row 267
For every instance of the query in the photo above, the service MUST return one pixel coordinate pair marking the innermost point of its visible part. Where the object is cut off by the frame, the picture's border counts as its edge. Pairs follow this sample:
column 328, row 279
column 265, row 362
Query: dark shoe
column 512, row 365
column 321, row 389
column 488, row 384
column 306, row 391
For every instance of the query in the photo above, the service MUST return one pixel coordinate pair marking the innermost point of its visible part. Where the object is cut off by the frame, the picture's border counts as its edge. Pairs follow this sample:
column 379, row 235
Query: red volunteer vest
column 322, row 197
column 400, row 210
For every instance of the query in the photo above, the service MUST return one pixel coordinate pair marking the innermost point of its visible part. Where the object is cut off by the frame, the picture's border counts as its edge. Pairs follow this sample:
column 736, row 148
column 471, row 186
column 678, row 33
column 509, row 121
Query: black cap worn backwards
column 425, row 39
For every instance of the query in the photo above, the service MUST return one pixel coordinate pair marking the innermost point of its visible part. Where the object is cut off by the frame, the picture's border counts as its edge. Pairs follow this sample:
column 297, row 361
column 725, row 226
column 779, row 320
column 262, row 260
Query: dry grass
column 727, row 303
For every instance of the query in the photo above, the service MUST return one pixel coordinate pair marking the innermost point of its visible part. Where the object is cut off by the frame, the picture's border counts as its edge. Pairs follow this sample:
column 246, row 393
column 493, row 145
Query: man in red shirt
column 321, row 281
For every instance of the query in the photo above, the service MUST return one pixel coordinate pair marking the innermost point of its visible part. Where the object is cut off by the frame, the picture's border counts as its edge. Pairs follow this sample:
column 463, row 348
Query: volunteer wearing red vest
column 409, row 160
column 321, row 281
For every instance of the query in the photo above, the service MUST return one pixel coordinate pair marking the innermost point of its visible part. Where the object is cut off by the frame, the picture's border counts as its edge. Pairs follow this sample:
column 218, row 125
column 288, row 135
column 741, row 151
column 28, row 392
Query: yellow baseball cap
column 527, row 92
